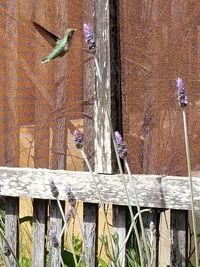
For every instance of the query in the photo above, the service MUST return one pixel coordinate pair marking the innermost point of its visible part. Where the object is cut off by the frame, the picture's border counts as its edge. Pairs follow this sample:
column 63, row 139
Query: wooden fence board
column 39, row 231
column 119, row 227
column 90, row 224
column 11, row 228
column 170, row 192
column 179, row 238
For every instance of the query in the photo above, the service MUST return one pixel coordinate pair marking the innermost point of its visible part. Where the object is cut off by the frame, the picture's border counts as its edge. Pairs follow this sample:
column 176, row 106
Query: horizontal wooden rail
column 154, row 191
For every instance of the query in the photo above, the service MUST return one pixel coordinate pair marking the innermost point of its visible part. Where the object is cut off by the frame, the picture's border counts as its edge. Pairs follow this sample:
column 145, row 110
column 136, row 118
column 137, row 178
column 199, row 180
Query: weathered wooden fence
column 141, row 42
column 157, row 192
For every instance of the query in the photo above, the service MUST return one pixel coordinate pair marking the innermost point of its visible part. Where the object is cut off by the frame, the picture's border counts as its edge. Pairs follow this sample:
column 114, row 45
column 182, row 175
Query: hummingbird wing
column 50, row 37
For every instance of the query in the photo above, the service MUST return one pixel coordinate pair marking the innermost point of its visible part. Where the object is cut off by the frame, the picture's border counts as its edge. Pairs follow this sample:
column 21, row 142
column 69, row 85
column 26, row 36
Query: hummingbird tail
column 45, row 60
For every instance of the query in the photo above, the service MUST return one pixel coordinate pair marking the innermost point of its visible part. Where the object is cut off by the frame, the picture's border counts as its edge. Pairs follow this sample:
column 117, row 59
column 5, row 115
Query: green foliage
column 25, row 262
column 113, row 253
column 68, row 256
column 133, row 258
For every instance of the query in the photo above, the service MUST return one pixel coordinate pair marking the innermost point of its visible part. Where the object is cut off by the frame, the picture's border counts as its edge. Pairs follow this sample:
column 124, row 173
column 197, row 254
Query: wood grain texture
column 119, row 227
column 179, row 238
column 39, row 231
column 56, row 223
column 11, row 228
column 90, row 224
column 107, row 90
column 170, row 192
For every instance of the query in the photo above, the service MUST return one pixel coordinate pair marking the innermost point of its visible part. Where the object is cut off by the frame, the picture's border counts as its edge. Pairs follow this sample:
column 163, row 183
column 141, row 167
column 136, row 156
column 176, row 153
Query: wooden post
column 90, row 211
column 108, row 98
column 90, row 219
column 179, row 238
column 11, row 127
column 119, row 227
column 39, row 231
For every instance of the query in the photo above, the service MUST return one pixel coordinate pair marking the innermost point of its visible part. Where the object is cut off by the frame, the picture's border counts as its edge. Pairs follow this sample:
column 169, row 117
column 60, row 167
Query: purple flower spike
column 70, row 214
column 53, row 238
column 53, row 188
column 121, row 147
column 78, row 140
column 89, row 38
column 182, row 98
column 71, row 197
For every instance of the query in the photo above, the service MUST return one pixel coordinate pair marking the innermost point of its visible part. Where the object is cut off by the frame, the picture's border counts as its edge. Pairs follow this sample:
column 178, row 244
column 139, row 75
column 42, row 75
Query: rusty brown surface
column 36, row 86
column 159, row 42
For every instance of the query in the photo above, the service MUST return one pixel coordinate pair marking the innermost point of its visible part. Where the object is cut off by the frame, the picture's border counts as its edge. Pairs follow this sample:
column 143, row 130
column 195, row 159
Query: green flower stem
column 121, row 170
column 187, row 149
column 139, row 211
column 68, row 232
column 131, row 228
column 98, row 193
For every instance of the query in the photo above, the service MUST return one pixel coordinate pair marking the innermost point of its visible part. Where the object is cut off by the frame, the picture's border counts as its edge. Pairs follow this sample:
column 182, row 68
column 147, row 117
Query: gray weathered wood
column 90, row 219
column 119, row 227
column 11, row 228
column 108, row 87
column 108, row 99
column 179, row 238
column 90, row 211
column 39, row 231
column 171, row 192
column 56, row 223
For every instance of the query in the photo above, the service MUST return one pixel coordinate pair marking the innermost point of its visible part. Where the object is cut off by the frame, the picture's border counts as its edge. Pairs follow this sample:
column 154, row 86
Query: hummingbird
column 60, row 46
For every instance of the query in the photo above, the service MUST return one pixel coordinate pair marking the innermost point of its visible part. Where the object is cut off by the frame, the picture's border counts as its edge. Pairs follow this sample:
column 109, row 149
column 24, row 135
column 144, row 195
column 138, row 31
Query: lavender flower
column 71, row 197
column 6, row 250
column 182, row 98
column 121, row 147
column 89, row 38
column 53, row 238
column 53, row 188
column 72, row 203
column 70, row 213
column 78, row 140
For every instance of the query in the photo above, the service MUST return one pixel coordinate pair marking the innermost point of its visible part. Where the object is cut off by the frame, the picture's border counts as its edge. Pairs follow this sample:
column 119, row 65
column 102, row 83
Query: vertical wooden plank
column 90, row 216
column 179, row 238
column 39, row 230
column 90, row 211
column 42, row 129
column 56, row 224
column 11, row 228
column 119, row 227
column 107, row 90
column 11, row 125
column 108, row 98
